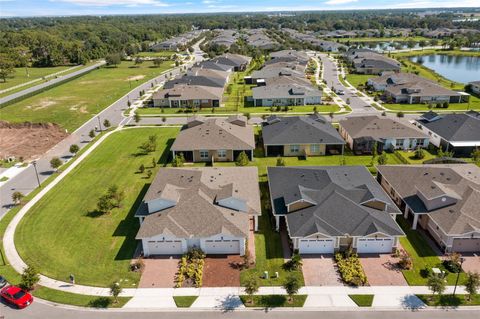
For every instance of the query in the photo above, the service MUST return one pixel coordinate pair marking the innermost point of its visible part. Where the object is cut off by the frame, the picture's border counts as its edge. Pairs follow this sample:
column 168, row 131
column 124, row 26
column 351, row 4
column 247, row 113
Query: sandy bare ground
column 28, row 140
column 135, row 77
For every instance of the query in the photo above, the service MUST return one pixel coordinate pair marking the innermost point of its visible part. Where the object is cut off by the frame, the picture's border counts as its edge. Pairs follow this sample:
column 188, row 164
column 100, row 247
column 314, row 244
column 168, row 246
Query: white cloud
column 106, row 3
column 338, row 2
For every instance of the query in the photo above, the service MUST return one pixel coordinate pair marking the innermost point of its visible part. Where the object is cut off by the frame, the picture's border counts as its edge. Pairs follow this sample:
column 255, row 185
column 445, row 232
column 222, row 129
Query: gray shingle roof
column 195, row 80
column 312, row 129
column 197, row 212
column 338, row 193
column 379, row 128
column 459, row 181
column 456, row 127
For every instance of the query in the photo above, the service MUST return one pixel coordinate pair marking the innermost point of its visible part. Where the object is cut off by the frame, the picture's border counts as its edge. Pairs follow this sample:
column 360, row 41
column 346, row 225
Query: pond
column 462, row 69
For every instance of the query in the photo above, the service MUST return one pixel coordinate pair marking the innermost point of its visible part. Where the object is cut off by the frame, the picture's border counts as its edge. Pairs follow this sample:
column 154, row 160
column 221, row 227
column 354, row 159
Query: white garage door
column 372, row 245
column 316, row 246
column 222, row 246
column 165, row 247
column 463, row 245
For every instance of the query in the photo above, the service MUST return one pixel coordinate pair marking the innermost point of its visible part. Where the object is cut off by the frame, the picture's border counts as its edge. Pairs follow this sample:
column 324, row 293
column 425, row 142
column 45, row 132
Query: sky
column 102, row 7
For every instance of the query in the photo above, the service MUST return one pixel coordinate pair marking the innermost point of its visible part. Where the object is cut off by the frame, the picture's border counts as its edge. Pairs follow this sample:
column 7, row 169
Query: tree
column 141, row 169
column 6, row 67
column 419, row 153
column 157, row 62
column 472, row 284
column 441, row 153
column 136, row 117
column 17, row 197
column 30, row 278
column 138, row 60
column 154, row 162
column 113, row 59
column 242, row 159
column 106, row 123
column 251, row 286
column 374, row 152
column 149, row 173
column 104, row 204
column 382, row 159
column 115, row 290
column 115, row 195
column 150, row 145
column 436, row 284
column 55, row 163
column 178, row 160
column 91, row 134
column 291, row 286
column 476, row 155
column 74, row 149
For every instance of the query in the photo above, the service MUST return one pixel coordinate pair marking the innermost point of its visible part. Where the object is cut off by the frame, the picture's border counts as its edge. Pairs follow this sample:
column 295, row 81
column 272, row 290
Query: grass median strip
column 362, row 300
column 450, row 300
column 184, row 301
column 273, row 301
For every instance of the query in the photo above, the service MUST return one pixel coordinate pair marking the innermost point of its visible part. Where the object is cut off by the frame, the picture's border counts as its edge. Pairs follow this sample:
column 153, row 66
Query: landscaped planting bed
column 190, row 270
column 351, row 269
column 267, row 301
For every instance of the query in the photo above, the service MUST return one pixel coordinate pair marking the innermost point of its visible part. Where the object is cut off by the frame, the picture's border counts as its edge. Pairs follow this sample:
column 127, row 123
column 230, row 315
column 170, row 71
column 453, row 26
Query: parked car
column 3, row 282
column 16, row 296
column 340, row 92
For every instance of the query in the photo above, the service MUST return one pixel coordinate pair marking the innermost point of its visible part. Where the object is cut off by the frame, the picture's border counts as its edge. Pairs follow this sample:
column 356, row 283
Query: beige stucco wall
column 229, row 158
column 304, row 149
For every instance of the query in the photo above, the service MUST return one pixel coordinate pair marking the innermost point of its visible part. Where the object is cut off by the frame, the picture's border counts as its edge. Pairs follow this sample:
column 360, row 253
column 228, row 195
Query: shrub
column 178, row 161
column 294, row 263
column 350, row 269
column 405, row 261
column 280, row 161
column 74, row 149
column 242, row 159
column 55, row 163
column 453, row 263
column 419, row 153
column 30, row 278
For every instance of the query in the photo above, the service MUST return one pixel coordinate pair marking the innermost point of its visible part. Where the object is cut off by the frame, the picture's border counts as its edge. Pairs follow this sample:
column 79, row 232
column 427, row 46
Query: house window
column 203, row 155
column 399, row 143
column 420, row 142
column 294, row 148
column 222, row 153
column 314, row 148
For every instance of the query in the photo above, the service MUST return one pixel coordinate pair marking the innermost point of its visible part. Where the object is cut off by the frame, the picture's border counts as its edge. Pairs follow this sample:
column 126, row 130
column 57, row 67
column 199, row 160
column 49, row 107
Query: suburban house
column 300, row 136
column 442, row 198
column 215, row 139
column 413, row 89
column 192, row 96
column 260, row 76
column 362, row 132
column 257, row 38
column 287, row 94
column 224, row 37
column 239, row 62
column 215, row 75
column 459, row 133
column 195, row 80
column 366, row 61
column 211, row 208
column 332, row 208
column 177, row 43
column 475, row 87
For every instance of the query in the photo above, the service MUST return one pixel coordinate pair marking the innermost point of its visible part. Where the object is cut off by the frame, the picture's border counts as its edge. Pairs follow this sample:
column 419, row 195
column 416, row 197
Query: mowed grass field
column 63, row 234
column 73, row 103
column 20, row 75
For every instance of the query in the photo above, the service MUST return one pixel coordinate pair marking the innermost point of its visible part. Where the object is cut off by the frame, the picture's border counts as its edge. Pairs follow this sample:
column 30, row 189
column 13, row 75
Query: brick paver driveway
column 222, row 271
column 320, row 270
column 382, row 270
column 471, row 263
column 159, row 272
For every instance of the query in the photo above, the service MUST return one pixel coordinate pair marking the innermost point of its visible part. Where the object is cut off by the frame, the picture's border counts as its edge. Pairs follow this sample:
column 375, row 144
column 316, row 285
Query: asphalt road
column 42, row 311
column 26, row 181
column 51, row 82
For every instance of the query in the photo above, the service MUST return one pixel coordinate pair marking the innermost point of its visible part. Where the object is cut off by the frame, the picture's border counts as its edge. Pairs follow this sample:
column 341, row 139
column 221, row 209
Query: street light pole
column 36, row 173
column 99, row 123
column 458, row 275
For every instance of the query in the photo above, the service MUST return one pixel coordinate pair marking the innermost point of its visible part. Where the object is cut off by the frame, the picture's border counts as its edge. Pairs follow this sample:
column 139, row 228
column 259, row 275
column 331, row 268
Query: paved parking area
column 471, row 263
column 382, row 270
column 159, row 272
column 320, row 270
column 222, row 271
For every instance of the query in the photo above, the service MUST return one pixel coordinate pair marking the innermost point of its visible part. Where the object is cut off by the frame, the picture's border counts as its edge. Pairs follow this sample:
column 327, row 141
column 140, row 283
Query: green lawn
column 449, row 300
column 184, row 301
column 358, row 79
column 362, row 300
column 157, row 54
column 271, row 301
column 474, row 104
column 20, row 75
column 409, row 156
column 383, row 39
column 423, row 257
column 63, row 234
column 71, row 104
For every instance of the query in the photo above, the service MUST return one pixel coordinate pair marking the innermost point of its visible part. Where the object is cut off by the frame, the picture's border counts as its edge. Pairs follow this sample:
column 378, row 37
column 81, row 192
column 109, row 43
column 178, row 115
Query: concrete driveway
column 159, row 272
column 471, row 263
column 320, row 270
column 382, row 270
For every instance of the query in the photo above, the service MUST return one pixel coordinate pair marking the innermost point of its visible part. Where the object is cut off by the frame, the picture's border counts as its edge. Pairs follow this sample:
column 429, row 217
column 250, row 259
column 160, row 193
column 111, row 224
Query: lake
column 462, row 69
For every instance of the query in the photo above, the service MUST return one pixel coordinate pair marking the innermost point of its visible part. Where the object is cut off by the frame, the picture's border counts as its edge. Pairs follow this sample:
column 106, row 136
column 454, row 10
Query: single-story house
column 272, row 72
column 300, row 136
column 215, row 139
column 286, row 94
column 210, row 208
column 195, row 80
column 239, row 62
column 413, row 89
column 459, row 133
column 366, row 61
column 443, row 199
column 184, row 95
column 292, row 55
column 332, row 208
column 362, row 132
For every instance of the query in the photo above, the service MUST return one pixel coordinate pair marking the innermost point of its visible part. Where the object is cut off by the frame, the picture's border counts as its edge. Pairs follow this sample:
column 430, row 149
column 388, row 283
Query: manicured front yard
column 359, row 79
column 268, row 301
column 423, row 257
column 184, row 301
column 64, row 234
column 71, row 104
column 474, row 104
column 362, row 300
column 449, row 300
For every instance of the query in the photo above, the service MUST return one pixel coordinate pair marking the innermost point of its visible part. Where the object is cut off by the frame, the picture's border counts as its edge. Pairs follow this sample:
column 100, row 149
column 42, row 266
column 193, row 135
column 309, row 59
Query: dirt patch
column 28, row 140
column 135, row 78
column 222, row 271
